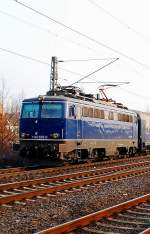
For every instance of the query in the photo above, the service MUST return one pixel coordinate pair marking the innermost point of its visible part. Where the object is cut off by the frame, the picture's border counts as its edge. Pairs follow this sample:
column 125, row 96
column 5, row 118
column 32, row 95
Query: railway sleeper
column 128, row 222
column 141, row 211
column 137, row 213
column 10, row 192
column 133, row 217
column 107, row 226
column 20, row 203
column 94, row 231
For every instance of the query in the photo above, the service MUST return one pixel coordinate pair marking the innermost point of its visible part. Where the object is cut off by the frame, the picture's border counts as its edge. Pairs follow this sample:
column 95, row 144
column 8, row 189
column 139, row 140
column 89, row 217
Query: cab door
column 74, row 122
column 79, row 122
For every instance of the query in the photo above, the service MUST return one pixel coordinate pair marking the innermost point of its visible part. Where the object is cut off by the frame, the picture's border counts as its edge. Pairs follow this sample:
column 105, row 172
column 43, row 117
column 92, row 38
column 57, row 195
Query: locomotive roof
column 45, row 98
column 86, row 102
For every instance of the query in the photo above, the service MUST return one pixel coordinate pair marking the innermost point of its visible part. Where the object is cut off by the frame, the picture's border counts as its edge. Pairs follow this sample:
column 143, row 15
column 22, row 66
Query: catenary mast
column 54, row 75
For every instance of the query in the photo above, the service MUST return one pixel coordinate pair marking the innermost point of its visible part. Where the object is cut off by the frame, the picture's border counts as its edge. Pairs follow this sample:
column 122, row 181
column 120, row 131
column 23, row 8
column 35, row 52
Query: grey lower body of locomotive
column 74, row 149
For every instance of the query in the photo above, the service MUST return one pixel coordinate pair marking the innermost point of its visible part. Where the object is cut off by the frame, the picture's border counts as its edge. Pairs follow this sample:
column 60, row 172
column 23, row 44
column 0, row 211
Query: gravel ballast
column 42, row 213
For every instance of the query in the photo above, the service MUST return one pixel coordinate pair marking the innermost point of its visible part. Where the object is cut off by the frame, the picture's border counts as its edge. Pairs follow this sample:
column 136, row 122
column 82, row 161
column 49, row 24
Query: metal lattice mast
column 54, row 75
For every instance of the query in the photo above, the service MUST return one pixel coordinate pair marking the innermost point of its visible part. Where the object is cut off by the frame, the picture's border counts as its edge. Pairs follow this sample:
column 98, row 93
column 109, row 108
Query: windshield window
column 30, row 110
column 51, row 110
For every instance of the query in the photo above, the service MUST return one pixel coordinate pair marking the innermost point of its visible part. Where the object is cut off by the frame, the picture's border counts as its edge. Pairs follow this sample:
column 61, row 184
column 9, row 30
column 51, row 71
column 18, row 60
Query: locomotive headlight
column 23, row 135
column 55, row 135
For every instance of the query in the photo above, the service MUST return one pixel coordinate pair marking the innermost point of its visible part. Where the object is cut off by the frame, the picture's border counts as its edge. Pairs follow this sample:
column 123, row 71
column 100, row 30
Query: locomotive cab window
column 42, row 110
column 30, row 110
column 51, row 110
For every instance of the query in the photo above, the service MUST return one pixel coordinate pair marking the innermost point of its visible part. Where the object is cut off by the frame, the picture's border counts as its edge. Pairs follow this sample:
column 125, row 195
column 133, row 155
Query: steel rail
column 94, row 217
column 147, row 231
column 65, row 168
column 69, row 185
column 11, row 170
column 75, row 175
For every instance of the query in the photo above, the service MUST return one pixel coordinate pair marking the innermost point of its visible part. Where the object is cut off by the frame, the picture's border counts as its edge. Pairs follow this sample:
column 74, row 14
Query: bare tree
column 3, row 118
column 9, row 119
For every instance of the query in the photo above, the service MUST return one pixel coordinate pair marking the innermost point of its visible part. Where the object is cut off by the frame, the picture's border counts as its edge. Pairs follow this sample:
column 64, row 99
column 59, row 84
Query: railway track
column 22, row 172
column 11, row 170
column 132, row 217
column 19, row 191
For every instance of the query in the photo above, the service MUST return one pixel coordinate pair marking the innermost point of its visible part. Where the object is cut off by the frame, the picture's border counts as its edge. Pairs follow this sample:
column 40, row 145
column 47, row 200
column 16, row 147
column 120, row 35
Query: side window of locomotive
column 121, row 117
column 85, row 112
column 98, row 114
column 130, row 118
column 125, row 118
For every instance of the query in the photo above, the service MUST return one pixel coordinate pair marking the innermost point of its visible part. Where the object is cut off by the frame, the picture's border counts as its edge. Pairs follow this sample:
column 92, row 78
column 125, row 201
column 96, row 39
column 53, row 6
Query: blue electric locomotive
column 74, row 126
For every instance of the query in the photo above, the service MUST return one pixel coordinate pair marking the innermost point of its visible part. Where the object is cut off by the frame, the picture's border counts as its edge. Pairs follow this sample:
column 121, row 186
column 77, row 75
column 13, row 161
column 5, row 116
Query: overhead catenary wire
column 97, row 70
column 57, row 36
column 127, row 26
column 24, row 56
column 84, row 35
column 105, row 83
column 87, row 60
column 67, row 70
column 54, row 34
column 133, row 93
column 43, row 62
column 37, row 60
column 46, row 63
column 72, row 72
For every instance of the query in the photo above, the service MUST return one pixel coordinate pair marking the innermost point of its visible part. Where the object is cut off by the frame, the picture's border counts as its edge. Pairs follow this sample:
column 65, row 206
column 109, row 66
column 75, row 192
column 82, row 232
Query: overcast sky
column 122, row 26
